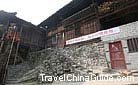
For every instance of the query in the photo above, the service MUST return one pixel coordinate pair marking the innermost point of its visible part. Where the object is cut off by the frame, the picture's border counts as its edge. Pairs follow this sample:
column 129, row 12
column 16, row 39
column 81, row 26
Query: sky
column 34, row 11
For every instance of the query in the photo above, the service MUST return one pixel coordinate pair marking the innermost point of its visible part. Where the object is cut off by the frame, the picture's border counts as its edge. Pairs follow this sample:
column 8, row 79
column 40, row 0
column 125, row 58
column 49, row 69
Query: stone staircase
column 12, row 81
column 3, row 60
column 16, row 72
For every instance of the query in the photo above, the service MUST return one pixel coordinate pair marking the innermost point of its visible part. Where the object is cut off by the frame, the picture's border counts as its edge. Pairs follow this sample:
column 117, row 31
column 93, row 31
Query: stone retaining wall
column 71, row 59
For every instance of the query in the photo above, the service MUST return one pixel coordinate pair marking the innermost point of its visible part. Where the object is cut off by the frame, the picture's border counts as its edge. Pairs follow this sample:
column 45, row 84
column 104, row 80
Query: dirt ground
column 116, row 82
column 135, row 82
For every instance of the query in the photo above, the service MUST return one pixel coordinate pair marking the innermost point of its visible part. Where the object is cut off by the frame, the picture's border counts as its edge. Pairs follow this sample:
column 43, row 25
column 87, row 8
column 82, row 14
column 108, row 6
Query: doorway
column 117, row 55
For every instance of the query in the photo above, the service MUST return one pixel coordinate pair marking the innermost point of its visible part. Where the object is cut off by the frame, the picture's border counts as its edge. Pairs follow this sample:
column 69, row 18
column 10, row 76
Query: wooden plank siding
column 88, row 27
column 60, row 40
column 58, row 34
column 94, row 18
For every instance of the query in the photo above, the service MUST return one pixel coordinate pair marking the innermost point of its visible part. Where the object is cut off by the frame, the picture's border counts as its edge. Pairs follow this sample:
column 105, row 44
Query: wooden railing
column 114, row 5
column 79, row 16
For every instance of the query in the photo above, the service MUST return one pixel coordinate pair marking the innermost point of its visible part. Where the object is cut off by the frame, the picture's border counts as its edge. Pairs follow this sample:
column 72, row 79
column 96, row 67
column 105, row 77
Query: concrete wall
column 127, row 31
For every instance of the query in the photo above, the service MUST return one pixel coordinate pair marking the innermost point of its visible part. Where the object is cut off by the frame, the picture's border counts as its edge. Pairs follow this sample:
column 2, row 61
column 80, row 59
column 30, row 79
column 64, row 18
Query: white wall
column 126, row 32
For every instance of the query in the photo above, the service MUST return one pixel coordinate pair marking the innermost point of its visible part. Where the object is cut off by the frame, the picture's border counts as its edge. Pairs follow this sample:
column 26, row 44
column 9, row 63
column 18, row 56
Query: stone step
column 12, row 81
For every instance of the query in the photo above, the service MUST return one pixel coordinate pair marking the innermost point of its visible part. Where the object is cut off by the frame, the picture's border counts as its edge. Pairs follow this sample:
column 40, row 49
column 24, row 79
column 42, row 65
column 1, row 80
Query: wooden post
column 2, row 42
column 2, row 38
column 18, row 45
column 11, row 47
column 97, row 15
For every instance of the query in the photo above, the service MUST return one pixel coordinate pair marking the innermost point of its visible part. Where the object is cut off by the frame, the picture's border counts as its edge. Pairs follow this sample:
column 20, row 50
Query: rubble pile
column 75, row 60
column 79, row 60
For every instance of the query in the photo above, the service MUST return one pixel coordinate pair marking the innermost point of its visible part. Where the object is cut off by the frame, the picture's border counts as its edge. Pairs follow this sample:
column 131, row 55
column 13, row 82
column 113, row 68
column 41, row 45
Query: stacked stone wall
column 74, row 59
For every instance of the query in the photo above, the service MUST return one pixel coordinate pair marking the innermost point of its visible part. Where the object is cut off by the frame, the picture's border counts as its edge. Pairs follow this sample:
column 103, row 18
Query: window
column 54, row 39
column 70, row 34
column 77, row 30
column 133, row 44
